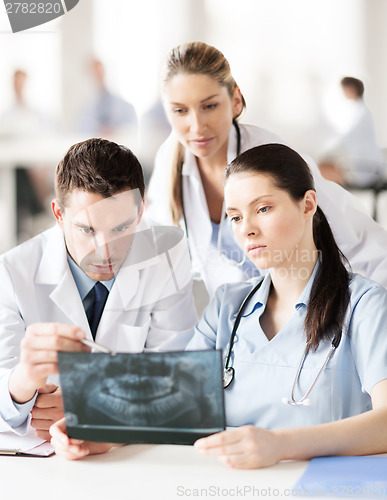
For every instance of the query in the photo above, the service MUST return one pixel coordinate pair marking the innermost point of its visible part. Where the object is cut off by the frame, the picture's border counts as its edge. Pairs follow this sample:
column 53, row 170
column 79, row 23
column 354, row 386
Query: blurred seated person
column 34, row 185
column 353, row 157
column 107, row 114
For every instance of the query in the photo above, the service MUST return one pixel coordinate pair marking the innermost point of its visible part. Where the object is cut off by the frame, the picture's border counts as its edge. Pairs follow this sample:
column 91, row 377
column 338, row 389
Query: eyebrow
column 201, row 102
column 127, row 222
column 252, row 202
column 82, row 225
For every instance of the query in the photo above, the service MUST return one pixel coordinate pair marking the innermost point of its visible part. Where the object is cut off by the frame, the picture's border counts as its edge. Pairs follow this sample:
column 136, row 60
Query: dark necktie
column 100, row 295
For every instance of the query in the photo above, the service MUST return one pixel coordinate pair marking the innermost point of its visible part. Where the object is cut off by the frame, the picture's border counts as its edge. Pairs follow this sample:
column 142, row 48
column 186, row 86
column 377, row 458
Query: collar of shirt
column 83, row 282
column 260, row 297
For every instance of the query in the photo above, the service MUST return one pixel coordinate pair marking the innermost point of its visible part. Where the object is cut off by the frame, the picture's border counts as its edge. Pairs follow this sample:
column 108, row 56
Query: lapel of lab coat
column 196, row 208
column 54, row 270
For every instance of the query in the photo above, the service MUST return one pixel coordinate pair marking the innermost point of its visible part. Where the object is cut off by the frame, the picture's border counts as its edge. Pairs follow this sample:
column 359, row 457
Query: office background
column 287, row 56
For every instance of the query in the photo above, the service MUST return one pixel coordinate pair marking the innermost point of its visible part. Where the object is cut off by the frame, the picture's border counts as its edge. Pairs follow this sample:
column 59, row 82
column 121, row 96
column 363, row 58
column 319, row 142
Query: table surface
column 160, row 472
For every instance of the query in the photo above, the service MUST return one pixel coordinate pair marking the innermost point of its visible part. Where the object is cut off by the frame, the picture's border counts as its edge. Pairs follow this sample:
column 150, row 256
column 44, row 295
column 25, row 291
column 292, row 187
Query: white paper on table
column 13, row 444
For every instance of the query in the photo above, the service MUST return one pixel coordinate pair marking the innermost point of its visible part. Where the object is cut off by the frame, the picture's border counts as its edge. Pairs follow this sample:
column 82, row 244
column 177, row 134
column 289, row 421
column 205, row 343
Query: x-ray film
column 170, row 397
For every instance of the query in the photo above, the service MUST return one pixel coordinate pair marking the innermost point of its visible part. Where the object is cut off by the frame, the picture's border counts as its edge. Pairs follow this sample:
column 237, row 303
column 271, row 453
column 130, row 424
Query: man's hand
column 47, row 410
column 74, row 449
column 39, row 354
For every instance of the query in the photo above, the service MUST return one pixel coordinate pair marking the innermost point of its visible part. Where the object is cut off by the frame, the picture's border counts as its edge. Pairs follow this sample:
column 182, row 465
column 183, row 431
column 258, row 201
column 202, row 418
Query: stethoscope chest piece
column 228, row 376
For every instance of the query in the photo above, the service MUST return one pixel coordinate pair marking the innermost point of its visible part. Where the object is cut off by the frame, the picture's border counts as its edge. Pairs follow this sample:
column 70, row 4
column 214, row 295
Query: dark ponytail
column 329, row 295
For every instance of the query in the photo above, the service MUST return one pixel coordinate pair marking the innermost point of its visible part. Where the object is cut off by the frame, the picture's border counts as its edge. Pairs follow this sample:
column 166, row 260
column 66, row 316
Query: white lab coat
column 361, row 239
column 150, row 306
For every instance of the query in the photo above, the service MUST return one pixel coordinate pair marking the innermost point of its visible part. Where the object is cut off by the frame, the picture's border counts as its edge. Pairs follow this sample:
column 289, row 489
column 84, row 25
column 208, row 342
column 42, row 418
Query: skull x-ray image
column 147, row 397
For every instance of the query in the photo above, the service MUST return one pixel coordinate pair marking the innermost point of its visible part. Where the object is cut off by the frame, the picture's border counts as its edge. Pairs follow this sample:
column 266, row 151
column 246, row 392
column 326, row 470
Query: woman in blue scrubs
column 309, row 314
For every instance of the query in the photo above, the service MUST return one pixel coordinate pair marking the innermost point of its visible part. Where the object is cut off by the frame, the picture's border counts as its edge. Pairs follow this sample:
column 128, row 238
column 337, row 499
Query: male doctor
column 102, row 273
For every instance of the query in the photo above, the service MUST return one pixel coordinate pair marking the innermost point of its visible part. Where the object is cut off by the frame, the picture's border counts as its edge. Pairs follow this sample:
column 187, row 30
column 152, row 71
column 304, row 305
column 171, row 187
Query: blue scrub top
column 265, row 370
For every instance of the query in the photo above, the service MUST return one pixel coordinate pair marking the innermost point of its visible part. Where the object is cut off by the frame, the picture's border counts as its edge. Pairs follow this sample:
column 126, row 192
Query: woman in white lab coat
column 203, row 103
column 307, row 372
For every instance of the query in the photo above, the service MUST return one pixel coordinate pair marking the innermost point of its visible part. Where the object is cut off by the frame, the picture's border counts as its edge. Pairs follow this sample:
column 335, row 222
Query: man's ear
column 140, row 212
column 57, row 210
column 310, row 203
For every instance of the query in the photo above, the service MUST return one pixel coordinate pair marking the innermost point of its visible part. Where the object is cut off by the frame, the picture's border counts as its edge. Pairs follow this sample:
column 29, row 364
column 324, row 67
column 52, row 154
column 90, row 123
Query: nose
column 197, row 122
column 249, row 228
column 102, row 248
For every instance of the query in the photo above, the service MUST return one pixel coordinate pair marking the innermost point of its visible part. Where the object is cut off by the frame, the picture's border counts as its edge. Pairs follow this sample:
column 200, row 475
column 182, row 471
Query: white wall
column 375, row 49
column 287, row 56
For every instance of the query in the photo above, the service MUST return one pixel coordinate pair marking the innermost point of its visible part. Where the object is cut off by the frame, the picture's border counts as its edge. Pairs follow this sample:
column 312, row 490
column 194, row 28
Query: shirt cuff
column 13, row 416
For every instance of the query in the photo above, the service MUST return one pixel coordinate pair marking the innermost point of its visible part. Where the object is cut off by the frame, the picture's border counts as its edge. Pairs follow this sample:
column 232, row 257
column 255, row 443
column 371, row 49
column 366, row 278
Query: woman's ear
column 310, row 203
column 237, row 102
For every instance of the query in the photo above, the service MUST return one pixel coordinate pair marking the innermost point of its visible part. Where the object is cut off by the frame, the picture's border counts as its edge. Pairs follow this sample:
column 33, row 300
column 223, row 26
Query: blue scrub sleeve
column 368, row 336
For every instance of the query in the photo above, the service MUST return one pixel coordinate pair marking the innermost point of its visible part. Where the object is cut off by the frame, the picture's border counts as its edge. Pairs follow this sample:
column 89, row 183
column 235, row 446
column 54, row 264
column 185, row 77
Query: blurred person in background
column 34, row 185
column 154, row 129
column 107, row 114
column 353, row 157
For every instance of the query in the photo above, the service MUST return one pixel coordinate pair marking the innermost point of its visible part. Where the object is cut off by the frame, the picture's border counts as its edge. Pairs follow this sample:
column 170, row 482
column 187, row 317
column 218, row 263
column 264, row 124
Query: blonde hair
column 193, row 58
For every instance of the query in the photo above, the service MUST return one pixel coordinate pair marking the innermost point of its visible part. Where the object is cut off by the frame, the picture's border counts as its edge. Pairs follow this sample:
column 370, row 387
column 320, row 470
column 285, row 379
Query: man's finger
column 58, row 431
column 52, row 400
column 42, row 370
column 52, row 343
column 70, row 452
column 53, row 414
column 48, row 389
column 59, row 329
column 42, row 434
column 39, row 424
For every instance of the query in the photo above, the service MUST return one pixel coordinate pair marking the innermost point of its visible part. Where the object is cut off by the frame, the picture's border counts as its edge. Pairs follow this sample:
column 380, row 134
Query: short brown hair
column 98, row 166
column 354, row 83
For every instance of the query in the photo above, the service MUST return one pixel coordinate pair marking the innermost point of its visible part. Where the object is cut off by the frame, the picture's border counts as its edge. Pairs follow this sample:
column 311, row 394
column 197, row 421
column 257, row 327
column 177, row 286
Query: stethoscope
column 229, row 371
column 224, row 215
